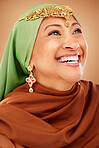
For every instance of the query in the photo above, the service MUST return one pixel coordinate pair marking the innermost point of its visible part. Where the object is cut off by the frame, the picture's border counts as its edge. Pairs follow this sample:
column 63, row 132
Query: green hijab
column 18, row 52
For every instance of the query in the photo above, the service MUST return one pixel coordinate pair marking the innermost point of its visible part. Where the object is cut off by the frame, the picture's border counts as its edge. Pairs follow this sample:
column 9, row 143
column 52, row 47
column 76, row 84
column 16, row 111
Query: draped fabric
column 51, row 119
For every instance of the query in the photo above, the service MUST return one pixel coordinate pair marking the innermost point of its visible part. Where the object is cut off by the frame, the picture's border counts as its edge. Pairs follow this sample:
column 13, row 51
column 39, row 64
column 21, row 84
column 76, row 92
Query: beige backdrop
column 87, row 12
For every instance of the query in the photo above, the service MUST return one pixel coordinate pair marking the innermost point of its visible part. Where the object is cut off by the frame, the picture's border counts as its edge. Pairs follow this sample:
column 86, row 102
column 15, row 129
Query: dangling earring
column 30, row 79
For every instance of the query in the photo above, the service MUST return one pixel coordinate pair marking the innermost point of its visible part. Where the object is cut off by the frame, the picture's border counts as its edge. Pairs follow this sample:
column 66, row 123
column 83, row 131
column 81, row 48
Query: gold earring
column 30, row 80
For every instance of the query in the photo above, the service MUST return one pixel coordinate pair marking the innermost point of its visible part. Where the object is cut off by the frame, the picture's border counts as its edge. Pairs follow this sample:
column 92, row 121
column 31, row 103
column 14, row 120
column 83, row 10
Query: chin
column 73, row 77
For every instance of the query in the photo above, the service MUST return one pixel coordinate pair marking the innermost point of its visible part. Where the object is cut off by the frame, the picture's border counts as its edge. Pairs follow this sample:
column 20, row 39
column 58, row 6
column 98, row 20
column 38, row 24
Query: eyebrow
column 58, row 25
column 52, row 25
column 76, row 23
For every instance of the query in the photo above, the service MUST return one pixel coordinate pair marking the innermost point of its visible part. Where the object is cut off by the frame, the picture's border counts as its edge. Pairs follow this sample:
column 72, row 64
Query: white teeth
column 73, row 62
column 65, row 58
column 74, row 58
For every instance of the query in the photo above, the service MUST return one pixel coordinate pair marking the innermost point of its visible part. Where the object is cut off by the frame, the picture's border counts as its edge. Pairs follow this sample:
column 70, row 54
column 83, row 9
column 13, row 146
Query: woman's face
column 59, row 53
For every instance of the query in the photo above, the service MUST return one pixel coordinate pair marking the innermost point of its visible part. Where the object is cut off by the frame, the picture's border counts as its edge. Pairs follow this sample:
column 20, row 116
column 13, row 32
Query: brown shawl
column 51, row 119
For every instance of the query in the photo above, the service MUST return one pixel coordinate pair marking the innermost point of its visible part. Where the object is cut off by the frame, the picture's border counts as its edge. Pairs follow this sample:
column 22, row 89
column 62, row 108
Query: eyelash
column 57, row 32
column 54, row 32
column 78, row 31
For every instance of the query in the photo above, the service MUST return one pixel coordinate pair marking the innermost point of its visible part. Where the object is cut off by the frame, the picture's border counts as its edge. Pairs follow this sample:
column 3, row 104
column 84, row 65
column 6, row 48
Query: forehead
column 56, row 20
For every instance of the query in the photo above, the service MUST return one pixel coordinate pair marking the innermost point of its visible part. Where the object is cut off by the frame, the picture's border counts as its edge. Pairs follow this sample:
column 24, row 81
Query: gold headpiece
column 48, row 11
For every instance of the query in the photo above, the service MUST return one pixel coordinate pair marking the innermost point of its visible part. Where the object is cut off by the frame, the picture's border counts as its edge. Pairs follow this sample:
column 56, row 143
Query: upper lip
column 68, row 55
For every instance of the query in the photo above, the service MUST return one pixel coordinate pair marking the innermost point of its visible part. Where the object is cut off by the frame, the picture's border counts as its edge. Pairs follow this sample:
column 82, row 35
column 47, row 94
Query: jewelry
column 30, row 79
column 48, row 11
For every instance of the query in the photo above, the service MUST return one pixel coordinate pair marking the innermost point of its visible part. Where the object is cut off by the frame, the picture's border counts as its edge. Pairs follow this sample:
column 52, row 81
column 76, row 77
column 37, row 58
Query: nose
column 71, row 45
column 76, row 46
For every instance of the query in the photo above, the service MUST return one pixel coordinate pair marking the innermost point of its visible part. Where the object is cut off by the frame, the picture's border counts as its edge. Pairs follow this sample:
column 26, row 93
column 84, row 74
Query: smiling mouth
column 69, row 59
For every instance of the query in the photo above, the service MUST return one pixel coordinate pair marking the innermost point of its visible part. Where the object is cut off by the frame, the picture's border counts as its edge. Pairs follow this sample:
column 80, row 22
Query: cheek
column 45, row 51
column 48, row 47
column 50, row 43
column 84, row 46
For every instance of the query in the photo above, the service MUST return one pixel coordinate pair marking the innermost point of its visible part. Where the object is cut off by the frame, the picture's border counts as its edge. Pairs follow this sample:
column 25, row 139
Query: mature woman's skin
column 53, row 41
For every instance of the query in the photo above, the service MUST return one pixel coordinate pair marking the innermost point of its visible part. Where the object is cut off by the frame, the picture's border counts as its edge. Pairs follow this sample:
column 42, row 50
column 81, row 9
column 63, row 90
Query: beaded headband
column 48, row 11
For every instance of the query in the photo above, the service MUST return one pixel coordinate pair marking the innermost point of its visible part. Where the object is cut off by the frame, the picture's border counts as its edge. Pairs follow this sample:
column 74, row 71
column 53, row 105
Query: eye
column 77, row 31
column 54, row 32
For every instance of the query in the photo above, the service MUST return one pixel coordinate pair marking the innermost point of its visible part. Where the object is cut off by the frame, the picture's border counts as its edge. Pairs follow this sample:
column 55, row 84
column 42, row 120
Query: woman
column 47, row 42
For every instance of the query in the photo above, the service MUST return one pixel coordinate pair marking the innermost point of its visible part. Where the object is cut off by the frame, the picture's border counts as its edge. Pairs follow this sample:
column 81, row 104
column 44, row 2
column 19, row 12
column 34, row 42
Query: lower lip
column 71, row 64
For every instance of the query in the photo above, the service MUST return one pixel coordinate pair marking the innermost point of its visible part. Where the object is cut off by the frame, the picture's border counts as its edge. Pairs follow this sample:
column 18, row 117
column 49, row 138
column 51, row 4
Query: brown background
column 87, row 12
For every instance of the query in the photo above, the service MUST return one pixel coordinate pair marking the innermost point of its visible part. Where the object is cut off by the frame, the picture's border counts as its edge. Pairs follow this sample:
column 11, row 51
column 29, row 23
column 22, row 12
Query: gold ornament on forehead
column 48, row 11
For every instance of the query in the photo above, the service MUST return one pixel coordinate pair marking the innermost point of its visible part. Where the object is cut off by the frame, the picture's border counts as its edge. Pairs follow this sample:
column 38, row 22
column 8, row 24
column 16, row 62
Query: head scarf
column 18, row 52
